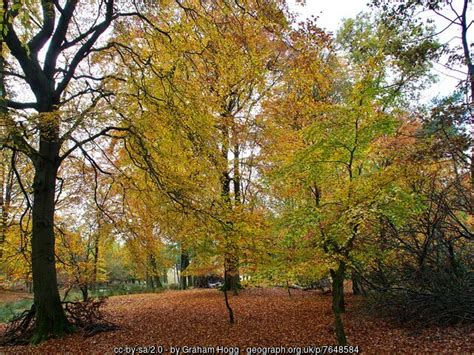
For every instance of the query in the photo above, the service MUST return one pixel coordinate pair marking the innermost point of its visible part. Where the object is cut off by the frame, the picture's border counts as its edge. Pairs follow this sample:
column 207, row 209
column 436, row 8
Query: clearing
column 264, row 317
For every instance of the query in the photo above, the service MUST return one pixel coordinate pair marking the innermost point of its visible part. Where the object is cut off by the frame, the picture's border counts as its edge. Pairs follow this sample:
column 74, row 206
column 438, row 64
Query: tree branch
column 103, row 132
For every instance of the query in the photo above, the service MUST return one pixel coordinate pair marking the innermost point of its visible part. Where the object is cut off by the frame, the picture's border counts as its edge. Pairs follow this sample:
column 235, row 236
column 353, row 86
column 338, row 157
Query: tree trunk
column 183, row 265
column 231, row 263
column 232, row 278
column 338, row 302
column 357, row 287
column 227, row 304
column 6, row 173
column 158, row 281
column 96, row 258
column 85, row 292
column 51, row 320
column 154, row 277
column 149, row 281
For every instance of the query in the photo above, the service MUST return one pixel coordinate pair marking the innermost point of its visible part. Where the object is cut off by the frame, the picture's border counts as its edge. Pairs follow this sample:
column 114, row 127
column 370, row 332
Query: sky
column 332, row 12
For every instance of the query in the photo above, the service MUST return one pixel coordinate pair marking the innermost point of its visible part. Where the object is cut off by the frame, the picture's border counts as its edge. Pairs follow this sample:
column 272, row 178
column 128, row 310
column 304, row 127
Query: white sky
column 331, row 13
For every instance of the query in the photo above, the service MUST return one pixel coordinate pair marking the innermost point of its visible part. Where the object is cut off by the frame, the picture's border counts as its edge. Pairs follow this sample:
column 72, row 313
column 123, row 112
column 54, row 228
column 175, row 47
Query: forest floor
column 264, row 318
column 7, row 296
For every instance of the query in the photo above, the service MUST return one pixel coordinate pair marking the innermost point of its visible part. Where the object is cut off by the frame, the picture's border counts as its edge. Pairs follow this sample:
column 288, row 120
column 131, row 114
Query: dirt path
column 264, row 318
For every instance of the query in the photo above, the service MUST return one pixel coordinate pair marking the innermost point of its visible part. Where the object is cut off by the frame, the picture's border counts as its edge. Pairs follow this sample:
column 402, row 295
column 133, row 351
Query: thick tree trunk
column 51, row 320
column 338, row 302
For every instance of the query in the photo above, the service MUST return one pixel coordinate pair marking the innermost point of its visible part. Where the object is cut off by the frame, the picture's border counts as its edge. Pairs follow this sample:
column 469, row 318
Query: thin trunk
column 96, row 258
column 338, row 302
column 231, row 277
column 4, row 201
column 229, row 308
column 234, row 281
column 51, row 320
column 6, row 177
column 85, row 292
column 357, row 287
column 183, row 266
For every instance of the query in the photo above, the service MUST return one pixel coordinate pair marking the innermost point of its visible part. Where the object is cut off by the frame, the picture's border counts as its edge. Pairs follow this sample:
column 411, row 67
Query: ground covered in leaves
column 13, row 296
column 264, row 318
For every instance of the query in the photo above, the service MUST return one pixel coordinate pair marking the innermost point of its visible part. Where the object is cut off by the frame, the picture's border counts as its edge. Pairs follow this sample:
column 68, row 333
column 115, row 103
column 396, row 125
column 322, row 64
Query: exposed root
column 20, row 328
column 85, row 317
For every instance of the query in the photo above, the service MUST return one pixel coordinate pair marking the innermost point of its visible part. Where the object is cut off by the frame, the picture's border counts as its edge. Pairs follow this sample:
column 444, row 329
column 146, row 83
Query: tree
column 51, row 62
column 452, row 14
column 219, row 54
column 320, row 130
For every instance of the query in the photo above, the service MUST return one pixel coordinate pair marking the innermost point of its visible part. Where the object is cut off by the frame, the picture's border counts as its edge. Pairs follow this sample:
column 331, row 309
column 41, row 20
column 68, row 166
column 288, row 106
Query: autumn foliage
column 191, row 144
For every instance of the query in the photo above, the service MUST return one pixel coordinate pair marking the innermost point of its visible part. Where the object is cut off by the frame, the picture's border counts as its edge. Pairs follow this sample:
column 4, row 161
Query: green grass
column 11, row 309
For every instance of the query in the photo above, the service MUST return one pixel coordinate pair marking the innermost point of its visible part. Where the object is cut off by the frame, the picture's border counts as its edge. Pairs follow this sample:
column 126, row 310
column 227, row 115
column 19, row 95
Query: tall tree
column 204, row 81
column 50, row 44
column 320, row 129
column 452, row 16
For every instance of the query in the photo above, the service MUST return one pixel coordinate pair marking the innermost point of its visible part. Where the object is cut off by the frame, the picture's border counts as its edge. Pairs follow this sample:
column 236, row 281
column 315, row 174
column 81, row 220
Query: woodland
column 256, row 179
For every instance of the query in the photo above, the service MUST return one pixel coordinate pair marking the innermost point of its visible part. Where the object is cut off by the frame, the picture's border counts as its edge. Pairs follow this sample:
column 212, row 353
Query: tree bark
column 338, row 302
column 51, row 320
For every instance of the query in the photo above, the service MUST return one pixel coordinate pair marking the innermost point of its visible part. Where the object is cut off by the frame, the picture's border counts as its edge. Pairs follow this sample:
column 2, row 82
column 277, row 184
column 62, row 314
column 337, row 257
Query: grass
column 10, row 309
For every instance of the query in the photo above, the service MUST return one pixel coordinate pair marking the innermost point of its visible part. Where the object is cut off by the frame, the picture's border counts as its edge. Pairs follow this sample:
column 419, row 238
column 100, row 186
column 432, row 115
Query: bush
column 433, row 297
